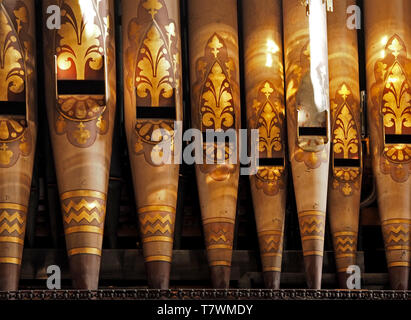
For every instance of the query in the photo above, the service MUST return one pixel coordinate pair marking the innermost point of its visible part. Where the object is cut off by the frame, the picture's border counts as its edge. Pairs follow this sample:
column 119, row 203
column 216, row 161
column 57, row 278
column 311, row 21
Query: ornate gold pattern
column 153, row 77
column 80, row 50
column 396, row 234
column 157, row 226
column 312, row 226
column 219, row 236
column 214, row 93
column 345, row 244
column 268, row 119
column 12, row 71
column 391, row 95
column 271, row 245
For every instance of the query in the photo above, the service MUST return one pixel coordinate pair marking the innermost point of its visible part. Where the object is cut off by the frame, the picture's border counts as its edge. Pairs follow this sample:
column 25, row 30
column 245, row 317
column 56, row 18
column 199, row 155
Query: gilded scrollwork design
column 15, row 136
column 81, row 46
column 268, row 119
column 216, row 86
column 391, row 96
column 346, row 140
column 297, row 81
column 153, row 76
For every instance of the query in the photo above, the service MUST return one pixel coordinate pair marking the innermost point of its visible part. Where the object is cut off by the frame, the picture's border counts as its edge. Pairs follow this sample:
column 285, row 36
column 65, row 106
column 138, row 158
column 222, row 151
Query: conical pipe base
column 220, row 277
column 85, row 271
column 158, row 274
column 272, row 279
column 313, row 271
column 399, row 277
column 9, row 276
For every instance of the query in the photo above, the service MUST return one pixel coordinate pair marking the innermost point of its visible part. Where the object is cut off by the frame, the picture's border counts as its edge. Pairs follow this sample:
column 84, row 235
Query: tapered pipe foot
column 9, row 276
column 313, row 271
column 272, row 279
column 85, row 271
column 158, row 274
column 399, row 277
column 220, row 277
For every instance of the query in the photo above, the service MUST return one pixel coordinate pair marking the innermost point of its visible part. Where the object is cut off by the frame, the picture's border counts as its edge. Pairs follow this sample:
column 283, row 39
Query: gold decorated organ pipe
column 306, row 70
column 18, row 131
column 388, row 61
column 81, row 99
column 215, row 104
column 344, row 190
column 153, row 100
column 264, row 84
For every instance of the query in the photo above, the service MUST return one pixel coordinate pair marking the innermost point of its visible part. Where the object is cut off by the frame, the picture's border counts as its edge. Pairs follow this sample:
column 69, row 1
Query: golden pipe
column 80, row 75
column 306, row 70
column 388, row 42
column 152, row 29
column 264, row 84
column 215, row 103
column 18, row 132
column 344, row 190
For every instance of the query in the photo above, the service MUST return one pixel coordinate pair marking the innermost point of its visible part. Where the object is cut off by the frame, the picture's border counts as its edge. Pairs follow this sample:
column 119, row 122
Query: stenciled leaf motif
column 215, row 44
column 269, row 132
column 345, row 134
column 80, row 39
column 152, row 6
column 11, row 59
column 154, row 75
column 397, row 101
column 217, row 110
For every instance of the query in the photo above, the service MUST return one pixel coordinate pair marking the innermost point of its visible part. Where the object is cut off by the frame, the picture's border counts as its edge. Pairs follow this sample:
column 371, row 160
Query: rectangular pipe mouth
column 144, row 112
column 12, row 108
column 398, row 138
column 312, row 131
column 271, row 162
column 344, row 163
column 81, row 87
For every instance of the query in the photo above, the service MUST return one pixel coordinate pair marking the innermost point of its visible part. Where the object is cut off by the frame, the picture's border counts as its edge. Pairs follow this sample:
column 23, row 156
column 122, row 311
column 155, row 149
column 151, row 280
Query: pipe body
column 264, row 83
column 307, row 94
column 215, row 103
column 18, row 132
column 153, row 85
column 344, row 190
column 81, row 98
column 388, row 61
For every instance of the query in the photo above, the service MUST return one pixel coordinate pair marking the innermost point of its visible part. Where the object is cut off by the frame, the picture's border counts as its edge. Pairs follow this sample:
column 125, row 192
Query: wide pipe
column 215, row 105
column 388, row 45
column 80, row 75
column 153, row 101
column 307, row 99
column 18, row 132
column 264, row 89
column 344, row 189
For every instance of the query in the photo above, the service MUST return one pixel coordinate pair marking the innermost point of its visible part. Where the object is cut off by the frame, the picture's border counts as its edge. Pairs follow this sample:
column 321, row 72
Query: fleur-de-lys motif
column 15, row 140
column 153, row 76
column 268, row 120
column 216, row 100
column 391, row 96
column 80, row 44
column 345, row 139
column 11, row 61
column 346, row 142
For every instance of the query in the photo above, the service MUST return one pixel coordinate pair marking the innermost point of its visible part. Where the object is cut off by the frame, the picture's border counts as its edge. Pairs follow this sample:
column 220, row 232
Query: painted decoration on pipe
column 81, row 76
column 388, row 60
column 264, row 83
column 308, row 112
column 18, row 132
column 344, row 190
column 215, row 103
column 153, row 101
